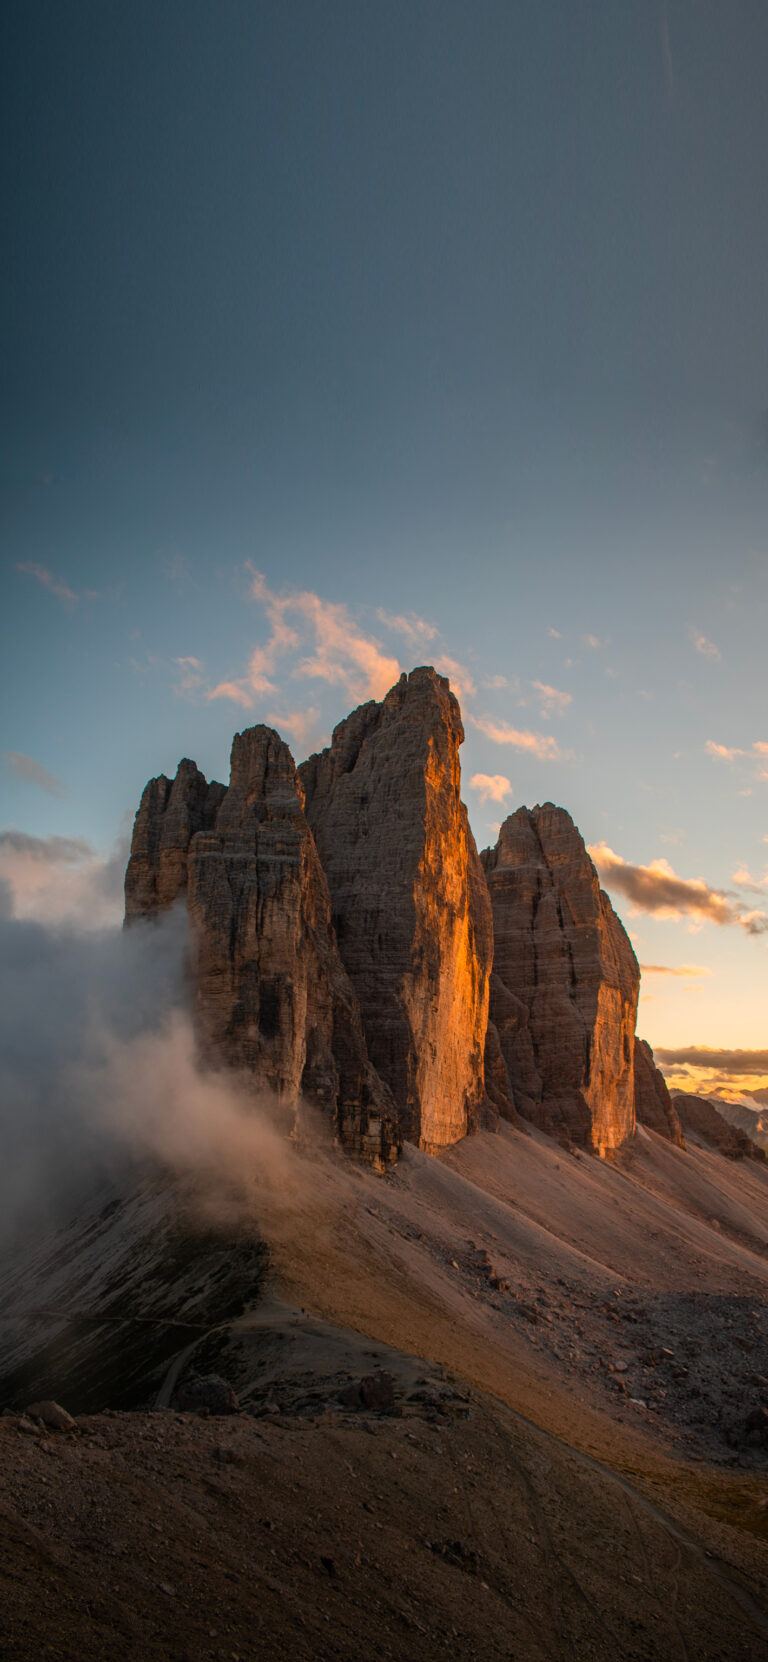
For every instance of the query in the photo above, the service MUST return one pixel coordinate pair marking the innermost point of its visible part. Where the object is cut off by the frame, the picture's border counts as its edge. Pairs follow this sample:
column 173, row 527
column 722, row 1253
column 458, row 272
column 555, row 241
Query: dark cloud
column 735, row 1062
column 53, row 850
column 657, row 888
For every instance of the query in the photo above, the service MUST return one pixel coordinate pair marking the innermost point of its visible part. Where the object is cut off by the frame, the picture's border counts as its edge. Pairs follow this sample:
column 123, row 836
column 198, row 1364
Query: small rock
column 52, row 1415
column 208, row 1395
column 376, row 1392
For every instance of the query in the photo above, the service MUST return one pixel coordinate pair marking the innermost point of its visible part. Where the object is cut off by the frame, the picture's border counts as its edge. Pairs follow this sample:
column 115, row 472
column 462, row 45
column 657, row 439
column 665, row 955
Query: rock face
column 565, row 982
column 409, row 903
column 653, row 1104
column 271, row 993
column 702, row 1119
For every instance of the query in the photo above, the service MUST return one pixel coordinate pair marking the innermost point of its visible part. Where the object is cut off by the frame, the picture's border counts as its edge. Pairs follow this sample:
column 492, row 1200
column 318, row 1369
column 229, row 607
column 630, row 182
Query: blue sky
column 451, row 317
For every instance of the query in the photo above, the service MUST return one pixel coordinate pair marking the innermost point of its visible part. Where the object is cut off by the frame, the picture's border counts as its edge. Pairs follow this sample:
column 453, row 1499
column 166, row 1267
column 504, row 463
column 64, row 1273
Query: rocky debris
column 653, row 1104
column 271, row 995
column 51, row 1415
column 700, row 1117
column 375, row 1392
column 565, row 983
column 207, row 1395
column 410, row 906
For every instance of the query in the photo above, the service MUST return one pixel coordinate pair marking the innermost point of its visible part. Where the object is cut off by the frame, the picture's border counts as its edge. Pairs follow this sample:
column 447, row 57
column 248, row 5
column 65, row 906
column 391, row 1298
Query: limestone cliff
column 409, row 903
column 565, row 982
column 653, row 1103
column 270, row 991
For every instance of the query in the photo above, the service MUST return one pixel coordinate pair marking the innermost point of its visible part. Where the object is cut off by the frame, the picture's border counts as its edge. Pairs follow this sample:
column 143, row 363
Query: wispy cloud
column 491, row 787
column 743, row 879
column 656, row 888
column 27, row 768
column 593, row 641
column 303, row 725
column 723, row 752
column 191, row 674
column 234, row 690
column 685, row 970
column 542, row 745
column 550, row 699
column 329, row 643
column 415, row 629
column 459, row 677
column 706, row 648
column 555, row 634
column 49, row 580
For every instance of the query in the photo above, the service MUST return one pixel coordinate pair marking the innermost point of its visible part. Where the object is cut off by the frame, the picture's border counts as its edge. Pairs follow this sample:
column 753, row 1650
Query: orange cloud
column 48, row 580
column 414, row 628
column 301, row 724
column 459, row 677
column 232, row 689
column 705, row 647
column 722, row 751
column 491, row 787
column 550, row 699
column 674, row 969
column 656, row 888
column 542, row 745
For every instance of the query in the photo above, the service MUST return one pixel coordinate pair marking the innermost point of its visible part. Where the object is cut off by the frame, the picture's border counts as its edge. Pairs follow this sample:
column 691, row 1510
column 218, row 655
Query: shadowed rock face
column 270, row 991
column 565, row 982
column 653, row 1103
column 702, row 1119
column 410, row 906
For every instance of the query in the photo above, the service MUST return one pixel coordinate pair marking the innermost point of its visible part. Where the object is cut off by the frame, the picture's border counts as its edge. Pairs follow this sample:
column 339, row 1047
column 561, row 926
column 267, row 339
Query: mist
column 99, row 1077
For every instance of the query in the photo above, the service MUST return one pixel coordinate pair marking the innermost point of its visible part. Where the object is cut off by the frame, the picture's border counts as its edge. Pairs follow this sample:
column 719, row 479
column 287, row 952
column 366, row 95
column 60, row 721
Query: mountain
column 343, row 932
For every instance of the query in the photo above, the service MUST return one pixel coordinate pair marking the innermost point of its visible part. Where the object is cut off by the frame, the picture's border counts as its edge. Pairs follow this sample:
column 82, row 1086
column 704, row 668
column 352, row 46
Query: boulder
column 409, row 903
column 565, row 983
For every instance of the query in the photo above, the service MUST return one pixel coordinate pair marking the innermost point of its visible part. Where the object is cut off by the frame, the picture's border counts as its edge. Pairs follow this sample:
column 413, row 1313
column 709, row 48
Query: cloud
column 555, row 633
column 27, row 768
column 705, row 647
column 339, row 653
column 542, row 745
column 743, row 1062
column 491, row 787
column 495, row 682
column 674, row 969
column 550, row 699
column 743, row 878
column 656, row 888
column 722, row 751
column 591, row 640
column 49, row 581
column 233, row 690
column 62, row 880
column 459, row 677
column 301, row 724
column 415, row 629
column 191, row 674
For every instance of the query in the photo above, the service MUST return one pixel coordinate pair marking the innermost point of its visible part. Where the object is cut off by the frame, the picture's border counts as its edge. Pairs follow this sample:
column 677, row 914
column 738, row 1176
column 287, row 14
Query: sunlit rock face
column 270, row 991
column 565, row 982
column 653, row 1104
column 409, row 902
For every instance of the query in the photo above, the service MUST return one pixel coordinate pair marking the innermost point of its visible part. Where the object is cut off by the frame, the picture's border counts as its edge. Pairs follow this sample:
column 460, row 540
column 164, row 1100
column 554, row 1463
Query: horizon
column 338, row 344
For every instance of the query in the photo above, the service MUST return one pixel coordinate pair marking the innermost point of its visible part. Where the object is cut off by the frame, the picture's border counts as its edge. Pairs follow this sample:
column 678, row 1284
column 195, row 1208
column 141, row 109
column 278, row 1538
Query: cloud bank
column 62, row 880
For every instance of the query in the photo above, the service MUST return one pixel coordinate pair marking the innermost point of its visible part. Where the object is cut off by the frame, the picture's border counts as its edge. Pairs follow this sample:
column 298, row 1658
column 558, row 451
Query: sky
column 342, row 338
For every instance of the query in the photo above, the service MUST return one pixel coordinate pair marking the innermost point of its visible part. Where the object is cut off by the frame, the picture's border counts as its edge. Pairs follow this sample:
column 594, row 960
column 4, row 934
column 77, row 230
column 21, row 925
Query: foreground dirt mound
column 448, row 1527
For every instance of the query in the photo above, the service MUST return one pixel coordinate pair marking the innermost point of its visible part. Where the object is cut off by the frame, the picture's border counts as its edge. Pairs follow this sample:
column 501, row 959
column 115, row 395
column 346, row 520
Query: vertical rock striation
column 409, row 903
column 565, row 982
column 653, row 1104
column 270, row 992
